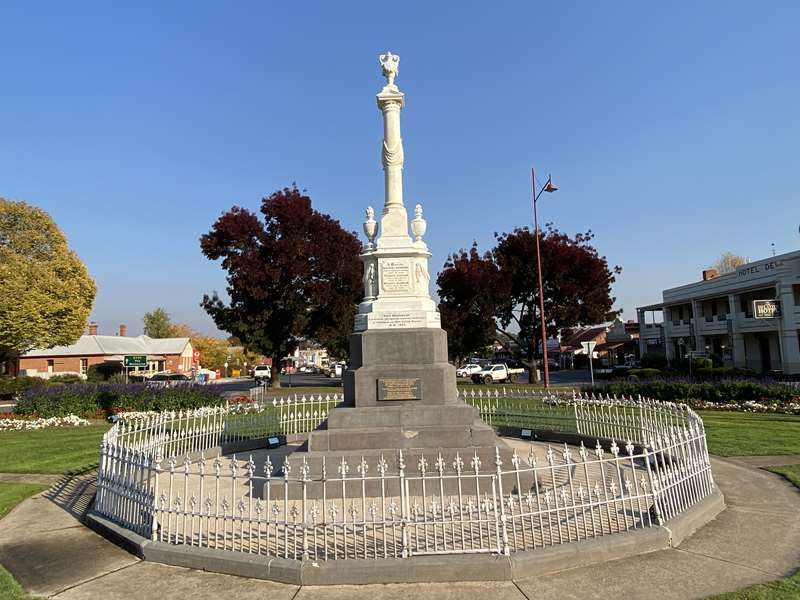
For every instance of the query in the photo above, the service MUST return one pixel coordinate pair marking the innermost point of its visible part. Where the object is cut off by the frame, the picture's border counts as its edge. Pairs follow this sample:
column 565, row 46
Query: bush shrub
column 646, row 373
column 66, row 378
column 90, row 400
column 11, row 386
column 724, row 372
column 103, row 372
column 653, row 360
column 720, row 392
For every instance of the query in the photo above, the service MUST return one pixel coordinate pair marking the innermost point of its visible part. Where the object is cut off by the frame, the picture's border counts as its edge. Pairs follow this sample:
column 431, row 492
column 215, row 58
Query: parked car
column 468, row 370
column 497, row 373
column 262, row 373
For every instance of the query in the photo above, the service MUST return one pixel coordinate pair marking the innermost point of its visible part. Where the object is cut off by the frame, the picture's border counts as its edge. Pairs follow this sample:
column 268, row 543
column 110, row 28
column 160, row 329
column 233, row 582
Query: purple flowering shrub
column 98, row 400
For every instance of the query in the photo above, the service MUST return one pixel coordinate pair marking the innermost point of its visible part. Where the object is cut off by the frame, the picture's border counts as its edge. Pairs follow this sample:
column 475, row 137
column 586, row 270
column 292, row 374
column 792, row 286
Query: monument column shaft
column 392, row 155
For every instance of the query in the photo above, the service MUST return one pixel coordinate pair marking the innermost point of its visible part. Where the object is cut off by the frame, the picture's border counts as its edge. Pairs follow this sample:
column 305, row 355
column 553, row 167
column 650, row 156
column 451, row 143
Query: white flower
column 41, row 423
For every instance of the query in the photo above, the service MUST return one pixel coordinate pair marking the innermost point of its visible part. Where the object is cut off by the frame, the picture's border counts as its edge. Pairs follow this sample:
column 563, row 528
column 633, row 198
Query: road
column 562, row 378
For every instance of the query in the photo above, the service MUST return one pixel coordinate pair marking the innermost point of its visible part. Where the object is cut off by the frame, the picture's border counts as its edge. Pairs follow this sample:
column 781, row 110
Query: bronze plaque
column 405, row 388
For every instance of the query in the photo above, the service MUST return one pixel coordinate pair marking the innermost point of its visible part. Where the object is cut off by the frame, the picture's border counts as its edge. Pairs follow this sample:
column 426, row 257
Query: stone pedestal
column 400, row 393
column 383, row 355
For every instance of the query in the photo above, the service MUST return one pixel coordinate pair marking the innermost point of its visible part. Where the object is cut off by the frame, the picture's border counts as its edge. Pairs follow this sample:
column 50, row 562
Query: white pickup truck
column 496, row 374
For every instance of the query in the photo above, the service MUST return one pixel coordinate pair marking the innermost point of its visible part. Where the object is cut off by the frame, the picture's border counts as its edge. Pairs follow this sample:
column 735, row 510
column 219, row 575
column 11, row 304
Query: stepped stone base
column 429, row 421
column 456, row 426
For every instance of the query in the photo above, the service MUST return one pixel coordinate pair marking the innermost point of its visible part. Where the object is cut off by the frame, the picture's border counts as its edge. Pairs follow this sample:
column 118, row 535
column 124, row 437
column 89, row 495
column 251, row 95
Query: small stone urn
column 418, row 224
column 370, row 227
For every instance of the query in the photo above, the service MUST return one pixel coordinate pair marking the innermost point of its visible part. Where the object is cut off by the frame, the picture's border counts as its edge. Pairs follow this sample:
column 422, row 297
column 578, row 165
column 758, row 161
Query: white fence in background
column 647, row 462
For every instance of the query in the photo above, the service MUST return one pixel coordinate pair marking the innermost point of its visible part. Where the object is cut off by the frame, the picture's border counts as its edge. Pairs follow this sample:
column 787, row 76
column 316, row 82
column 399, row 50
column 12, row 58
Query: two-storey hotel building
column 716, row 316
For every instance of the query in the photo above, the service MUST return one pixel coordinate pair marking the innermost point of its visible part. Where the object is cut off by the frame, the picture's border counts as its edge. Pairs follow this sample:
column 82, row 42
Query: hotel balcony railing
column 712, row 324
column 677, row 328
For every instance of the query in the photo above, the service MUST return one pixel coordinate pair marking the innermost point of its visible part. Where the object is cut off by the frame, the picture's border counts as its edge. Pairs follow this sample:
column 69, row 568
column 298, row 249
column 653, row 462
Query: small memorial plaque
column 395, row 276
column 273, row 442
column 526, row 433
column 404, row 388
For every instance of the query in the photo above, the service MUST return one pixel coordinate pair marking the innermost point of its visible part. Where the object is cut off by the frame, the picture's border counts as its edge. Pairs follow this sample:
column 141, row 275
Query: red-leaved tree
column 577, row 289
column 294, row 275
column 471, row 288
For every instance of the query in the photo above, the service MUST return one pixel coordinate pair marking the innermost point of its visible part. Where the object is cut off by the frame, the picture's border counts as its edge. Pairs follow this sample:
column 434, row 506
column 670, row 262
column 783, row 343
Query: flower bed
column 732, row 394
column 792, row 408
column 99, row 400
column 20, row 424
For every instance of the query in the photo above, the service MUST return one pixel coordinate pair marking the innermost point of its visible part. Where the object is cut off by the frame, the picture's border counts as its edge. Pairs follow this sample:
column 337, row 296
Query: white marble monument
column 396, row 276
column 399, row 389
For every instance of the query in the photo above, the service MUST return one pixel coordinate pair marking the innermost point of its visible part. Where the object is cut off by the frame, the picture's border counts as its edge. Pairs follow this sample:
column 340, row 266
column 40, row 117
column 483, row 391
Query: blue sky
column 672, row 129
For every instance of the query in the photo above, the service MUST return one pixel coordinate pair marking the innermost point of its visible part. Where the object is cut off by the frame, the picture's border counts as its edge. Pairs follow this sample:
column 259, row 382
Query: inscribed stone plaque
column 395, row 276
column 402, row 388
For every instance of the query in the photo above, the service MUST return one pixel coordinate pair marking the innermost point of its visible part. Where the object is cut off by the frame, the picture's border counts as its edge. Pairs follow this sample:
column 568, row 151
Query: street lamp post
column 547, row 187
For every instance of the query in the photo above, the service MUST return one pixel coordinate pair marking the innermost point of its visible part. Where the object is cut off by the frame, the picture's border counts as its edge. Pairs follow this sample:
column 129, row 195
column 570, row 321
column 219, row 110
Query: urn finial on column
column 418, row 224
column 370, row 227
column 390, row 64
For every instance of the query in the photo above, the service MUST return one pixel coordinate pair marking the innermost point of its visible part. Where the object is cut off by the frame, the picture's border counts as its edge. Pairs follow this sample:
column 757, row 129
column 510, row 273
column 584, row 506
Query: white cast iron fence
column 155, row 479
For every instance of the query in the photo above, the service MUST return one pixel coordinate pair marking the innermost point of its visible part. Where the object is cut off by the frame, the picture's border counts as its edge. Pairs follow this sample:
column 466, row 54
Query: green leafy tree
column 157, row 324
column 213, row 351
column 46, row 293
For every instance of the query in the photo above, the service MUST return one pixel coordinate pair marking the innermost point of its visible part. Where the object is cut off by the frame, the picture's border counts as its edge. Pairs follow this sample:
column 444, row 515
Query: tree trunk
column 533, row 372
column 534, row 375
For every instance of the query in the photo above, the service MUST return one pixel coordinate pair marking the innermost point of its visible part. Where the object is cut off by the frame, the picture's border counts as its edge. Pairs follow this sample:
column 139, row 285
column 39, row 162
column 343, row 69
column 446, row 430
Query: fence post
column 401, row 467
column 154, row 523
column 503, row 528
column 656, row 512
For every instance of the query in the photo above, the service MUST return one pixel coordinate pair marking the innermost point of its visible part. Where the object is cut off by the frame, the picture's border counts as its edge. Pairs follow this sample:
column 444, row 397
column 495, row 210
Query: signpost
column 588, row 347
column 133, row 360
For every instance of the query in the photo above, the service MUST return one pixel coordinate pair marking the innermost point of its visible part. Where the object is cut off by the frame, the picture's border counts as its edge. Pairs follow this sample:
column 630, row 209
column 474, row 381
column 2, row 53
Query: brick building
column 164, row 354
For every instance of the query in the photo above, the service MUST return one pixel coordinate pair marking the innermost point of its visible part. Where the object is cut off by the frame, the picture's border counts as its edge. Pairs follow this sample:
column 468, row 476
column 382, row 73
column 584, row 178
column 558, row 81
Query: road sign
column 588, row 347
column 135, row 360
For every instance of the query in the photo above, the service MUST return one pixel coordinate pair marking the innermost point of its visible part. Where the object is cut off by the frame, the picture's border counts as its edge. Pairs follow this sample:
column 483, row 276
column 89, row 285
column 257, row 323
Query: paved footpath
column 756, row 539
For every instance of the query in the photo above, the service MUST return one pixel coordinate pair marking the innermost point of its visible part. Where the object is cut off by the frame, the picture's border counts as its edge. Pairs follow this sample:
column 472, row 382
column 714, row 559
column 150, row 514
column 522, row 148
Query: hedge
column 11, row 386
column 720, row 392
column 92, row 400
column 646, row 373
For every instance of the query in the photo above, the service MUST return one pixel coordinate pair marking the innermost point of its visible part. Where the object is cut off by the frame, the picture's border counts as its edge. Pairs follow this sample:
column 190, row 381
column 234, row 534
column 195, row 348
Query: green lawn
column 787, row 588
column 791, row 472
column 9, row 588
column 10, row 495
column 52, row 450
column 751, row 434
